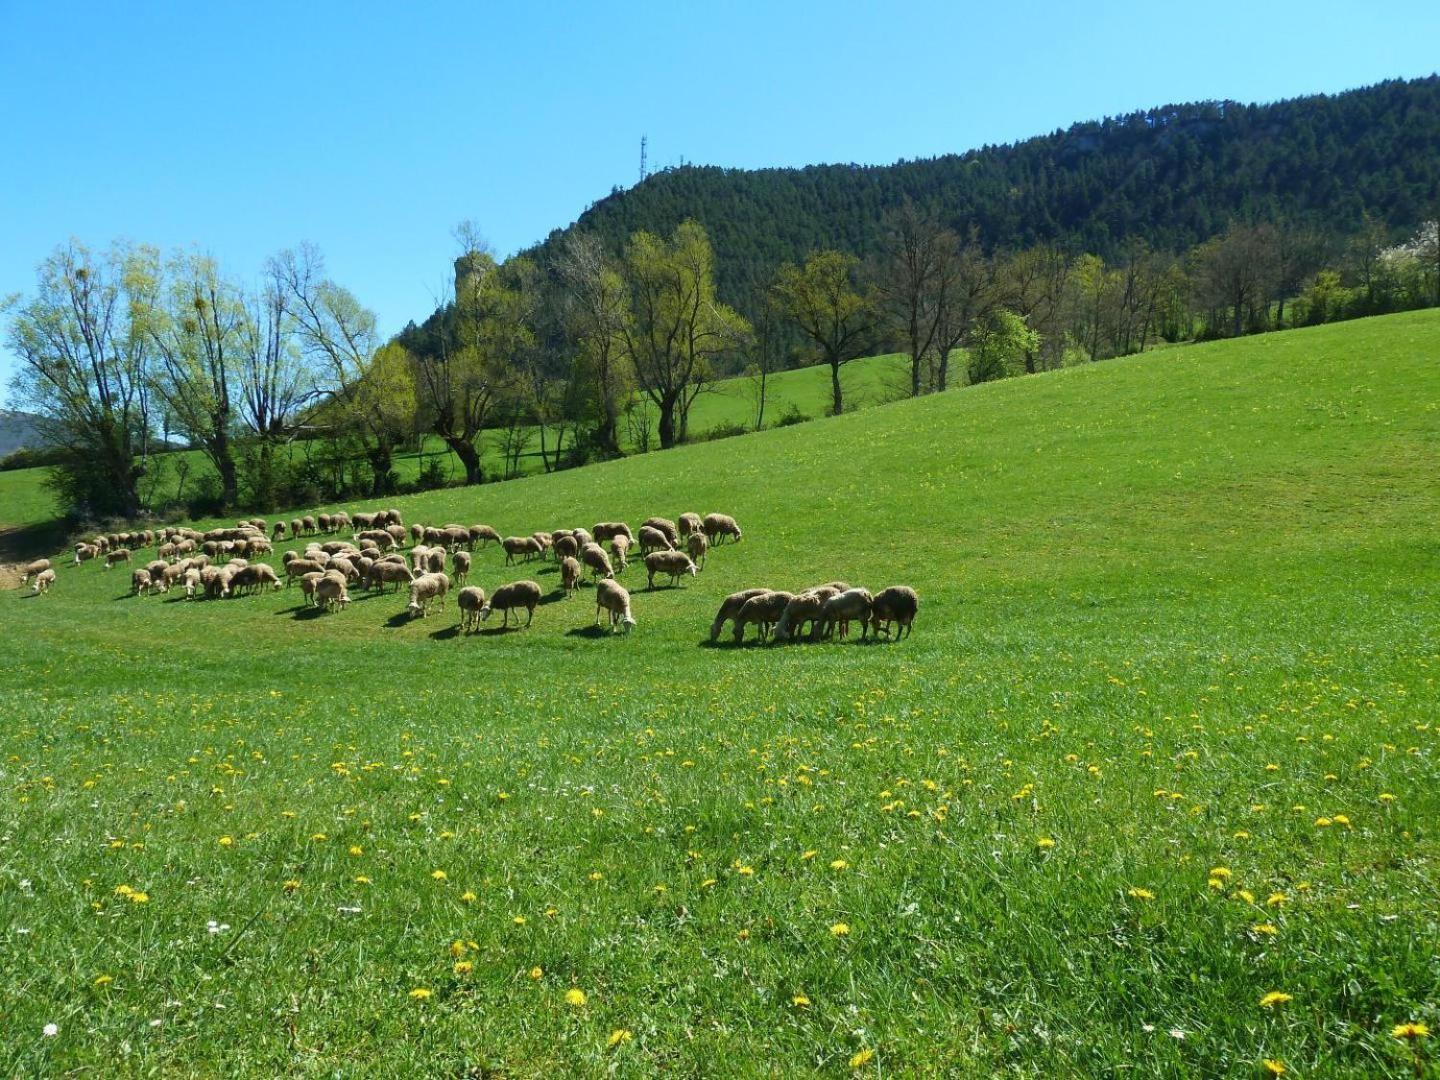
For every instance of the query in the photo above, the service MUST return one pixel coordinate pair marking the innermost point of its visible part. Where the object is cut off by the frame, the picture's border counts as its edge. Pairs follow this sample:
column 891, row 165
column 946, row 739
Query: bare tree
column 841, row 321
column 918, row 274
column 596, row 318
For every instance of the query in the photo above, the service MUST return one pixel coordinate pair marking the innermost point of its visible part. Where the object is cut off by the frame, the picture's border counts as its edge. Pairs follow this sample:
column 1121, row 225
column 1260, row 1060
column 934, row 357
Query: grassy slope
column 24, row 501
column 1144, row 584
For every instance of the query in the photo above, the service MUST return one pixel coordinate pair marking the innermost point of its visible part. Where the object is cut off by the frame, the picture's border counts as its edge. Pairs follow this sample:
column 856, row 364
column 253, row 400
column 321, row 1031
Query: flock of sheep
column 217, row 564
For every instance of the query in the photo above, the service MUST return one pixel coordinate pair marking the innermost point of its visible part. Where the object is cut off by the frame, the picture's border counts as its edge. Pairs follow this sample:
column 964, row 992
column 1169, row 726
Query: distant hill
column 19, row 429
column 1172, row 176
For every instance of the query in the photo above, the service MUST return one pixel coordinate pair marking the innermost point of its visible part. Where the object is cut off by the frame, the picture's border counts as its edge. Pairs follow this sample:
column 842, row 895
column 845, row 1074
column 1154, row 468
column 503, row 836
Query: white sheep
column 653, row 539
column 608, row 530
column 844, row 608
column 674, row 564
column 470, row 600
column 507, row 598
column 483, row 535
column 763, row 610
column 86, row 552
column 139, row 581
column 307, row 585
column 719, row 526
column 43, row 581
column 527, row 546
column 570, row 573
column 460, row 561
column 611, row 596
column 31, row 569
column 620, row 547
column 689, row 524
column 730, row 607
column 114, row 558
column 697, row 545
column 192, row 581
column 596, row 561
column 330, row 592
column 666, row 526
column 424, row 590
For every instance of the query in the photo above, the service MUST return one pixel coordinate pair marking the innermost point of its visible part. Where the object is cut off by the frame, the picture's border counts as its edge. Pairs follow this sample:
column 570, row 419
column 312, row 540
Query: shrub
column 791, row 416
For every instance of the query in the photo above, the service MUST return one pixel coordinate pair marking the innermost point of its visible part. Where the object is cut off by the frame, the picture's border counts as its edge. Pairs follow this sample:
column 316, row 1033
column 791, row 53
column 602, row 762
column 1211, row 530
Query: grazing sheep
column 608, row 530
column 331, row 593
column 311, row 525
column 620, row 547
column 383, row 573
column 297, row 528
column 210, row 581
column 307, row 586
column 139, row 581
column 417, row 533
column 43, row 581
column 527, row 546
column 379, row 537
column 730, row 607
column 544, row 539
column 300, row 567
column 424, row 590
column 166, row 551
column 323, row 520
column 719, row 526
column 347, row 569
column 666, row 526
column 394, row 518
column 898, row 604
column 470, row 600
column 763, row 610
column 570, row 573
column 596, row 561
column 611, row 596
column 697, row 546
column 192, row 581
column 363, row 520
column 844, row 608
column 114, row 558
column 460, row 561
column 156, row 569
column 418, row 555
column 803, row 608
column 483, row 535
column 565, row 547
column 456, row 537
column 435, row 561
column 507, row 598
column 434, row 535
column 582, row 537
column 31, row 569
column 653, row 539
column 689, row 524
column 253, row 578
column 278, row 532
column 674, row 564
column 171, row 577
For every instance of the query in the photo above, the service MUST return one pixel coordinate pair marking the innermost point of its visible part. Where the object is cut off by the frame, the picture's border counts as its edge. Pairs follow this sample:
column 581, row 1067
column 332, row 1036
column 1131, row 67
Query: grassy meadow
column 1152, row 789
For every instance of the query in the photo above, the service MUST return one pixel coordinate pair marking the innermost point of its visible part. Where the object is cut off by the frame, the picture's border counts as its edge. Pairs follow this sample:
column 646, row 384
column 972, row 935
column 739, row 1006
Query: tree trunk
column 942, row 371
column 469, row 457
column 915, row 361
column 1239, row 319
column 667, row 423
column 225, row 465
column 760, row 415
column 837, row 403
column 381, row 458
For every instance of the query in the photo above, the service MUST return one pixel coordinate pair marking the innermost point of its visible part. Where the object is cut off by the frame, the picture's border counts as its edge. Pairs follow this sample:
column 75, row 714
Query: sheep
column 340, row 520
column 582, row 537
column 596, row 561
column 185, row 546
column 544, row 539
column 210, row 580
column 697, row 546
column 620, row 546
column 527, row 546
column 166, row 551
column 278, row 532
column 156, row 569
column 394, row 518
column 675, row 564
column 844, row 607
column 730, row 607
column 898, row 604
column 330, row 592
column 470, row 600
column 323, row 520
column 344, row 567
column 172, row 575
column 507, row 598
column 653, row 539
column 253, row 578
column 417, row 533
column 42, row 583
column 383, row 573
column 31, row 569
column 456, row 537
column 418, row 554
column 423, row 590
column 434, row 535
column 764, row 610
column 300, row 567
column 363, row 521
column 297, row 528
column 608, row 530
column 311, row 525
column 666, row 526
column 116, row 557
column 101, row 542
column 689, row 525
column 435, row 561
column 570, row 573
column 139, row 581
column 565, row 547
column 803, row 608
column 611, row 596
column 718, row 526
column 483, row 535
column 460, row 561
column 307, row 586
column 382, row 539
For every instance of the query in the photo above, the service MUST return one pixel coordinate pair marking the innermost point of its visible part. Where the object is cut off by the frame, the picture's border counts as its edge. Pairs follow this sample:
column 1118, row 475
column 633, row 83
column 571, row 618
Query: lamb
column 470, row 600
column 697, row 546
column 461, row 564
column 608, row 530
column 718, row 526
column 595, row 559
column 689, row 525
column 620, row 546
column 675, row 564
column 139, row 581
column 192, row 581
column 730, row 607
column 666, row 526
column 383, row 573
column 483, row 534
column 611, row 596
column 565, row 547
column 898, row 604
column 425, row 589
column 330, row 592
column 845, row 607
column 31, row 569
column 653, row 539
column 507, row 598
column 116, row 557
column 806, row 607
column 527, row 546
column 43, row 581
column 570, row 573
column 307, row 586
column 763, row 610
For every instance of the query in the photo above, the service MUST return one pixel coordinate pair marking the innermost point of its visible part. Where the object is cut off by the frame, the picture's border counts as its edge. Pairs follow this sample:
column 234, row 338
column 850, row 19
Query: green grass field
column 1151, row 790
column 26, row 503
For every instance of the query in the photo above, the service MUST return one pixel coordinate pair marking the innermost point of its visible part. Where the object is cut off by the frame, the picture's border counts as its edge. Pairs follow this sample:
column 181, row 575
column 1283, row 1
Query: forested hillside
column 1172, row 176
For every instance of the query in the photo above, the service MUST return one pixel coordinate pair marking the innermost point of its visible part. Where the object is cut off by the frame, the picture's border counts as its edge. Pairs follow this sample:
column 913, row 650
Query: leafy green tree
column 998, row 348
column 595, row 319
column 840, row 321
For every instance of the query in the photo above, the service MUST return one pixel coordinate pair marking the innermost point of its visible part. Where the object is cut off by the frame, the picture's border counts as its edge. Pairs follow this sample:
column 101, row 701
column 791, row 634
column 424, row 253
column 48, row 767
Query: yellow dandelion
column 421, row 994
column 707, row 882
column 318, row 837
column 518, row 920
column 467, row 897
column 1275, row 997
column 1044, row 843
column 361, row 879
column 596, row 875
column 1216, row 883
column 861, row 1058
column 1323, row 823
column 618, row 1037
column 575, row 996
column 1386, row 797
column 1222, row 872
column 746, row 871
column 463, row 967
column 1276, row 899
column 743, row 935
column 536, row 973
column 226, row 841
column 809, row 854
column 356, row 849
column 1246, row 895
column 840, row 929
column 439, row 875
column 123, row 890
column 138, row 897
column 1274, row 1066
column 103, row 980
column 1341, row 819
column 1140, row 894
column 800, row 1001
column 1268, row 929
column 1410, row 1030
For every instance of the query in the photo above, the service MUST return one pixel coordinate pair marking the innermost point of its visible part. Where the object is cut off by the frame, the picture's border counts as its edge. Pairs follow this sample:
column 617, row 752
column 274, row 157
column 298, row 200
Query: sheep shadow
column 499, row 631
column 593, row 631
column 446, row 634
column 552, row 597
column 307, row 612
column 399, row 619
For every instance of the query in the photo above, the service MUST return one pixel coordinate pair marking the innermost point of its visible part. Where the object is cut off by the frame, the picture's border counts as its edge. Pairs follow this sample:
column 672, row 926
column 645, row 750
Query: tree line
column 587, row 354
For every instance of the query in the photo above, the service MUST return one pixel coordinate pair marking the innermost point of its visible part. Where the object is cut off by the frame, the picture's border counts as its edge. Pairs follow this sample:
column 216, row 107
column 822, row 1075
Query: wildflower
column 618, row 1036
column 861, row 1058
column 1140, row 894
column 1410, row 1030
column 458, row 948
column 361, row 879
column 809, row 854
column 800, row 1001
column 575, row 996
column 1341, row 819
column 1246, row 895
column 519, row 920
column 707, row 882
column 537, row 973
column 1275, row 899
column 1386, row 797
column 1323, row 823
column 840, row 929
column 467, row 897
column 356, row 849
column 421, row 994
column 745, row 871
column 1272, row 768
column 226, row 841
column 1222, row 872
column 103, row 980
column 291, row 885
column 1216, row 883
column 1275, row 997
column 138, row 897
column 50, row 1030
column 742, row 935
column 596, row 875
column 463, row 967
column 1044, row 843
column 1268, row 929
column 318, row 837
column 1274, row 1066
column 439, row 875
column 839, row 864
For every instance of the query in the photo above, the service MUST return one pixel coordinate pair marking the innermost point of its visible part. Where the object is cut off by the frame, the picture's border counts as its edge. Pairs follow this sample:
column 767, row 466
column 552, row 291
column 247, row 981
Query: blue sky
column 371, row 129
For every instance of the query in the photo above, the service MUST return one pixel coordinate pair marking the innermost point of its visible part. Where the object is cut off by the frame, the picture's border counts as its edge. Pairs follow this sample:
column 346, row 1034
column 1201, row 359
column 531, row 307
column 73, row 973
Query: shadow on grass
column 447, row 633
column 552, row 597
column 592, row 631
column 497, row 631
column 307, row 612
column 400, row 618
